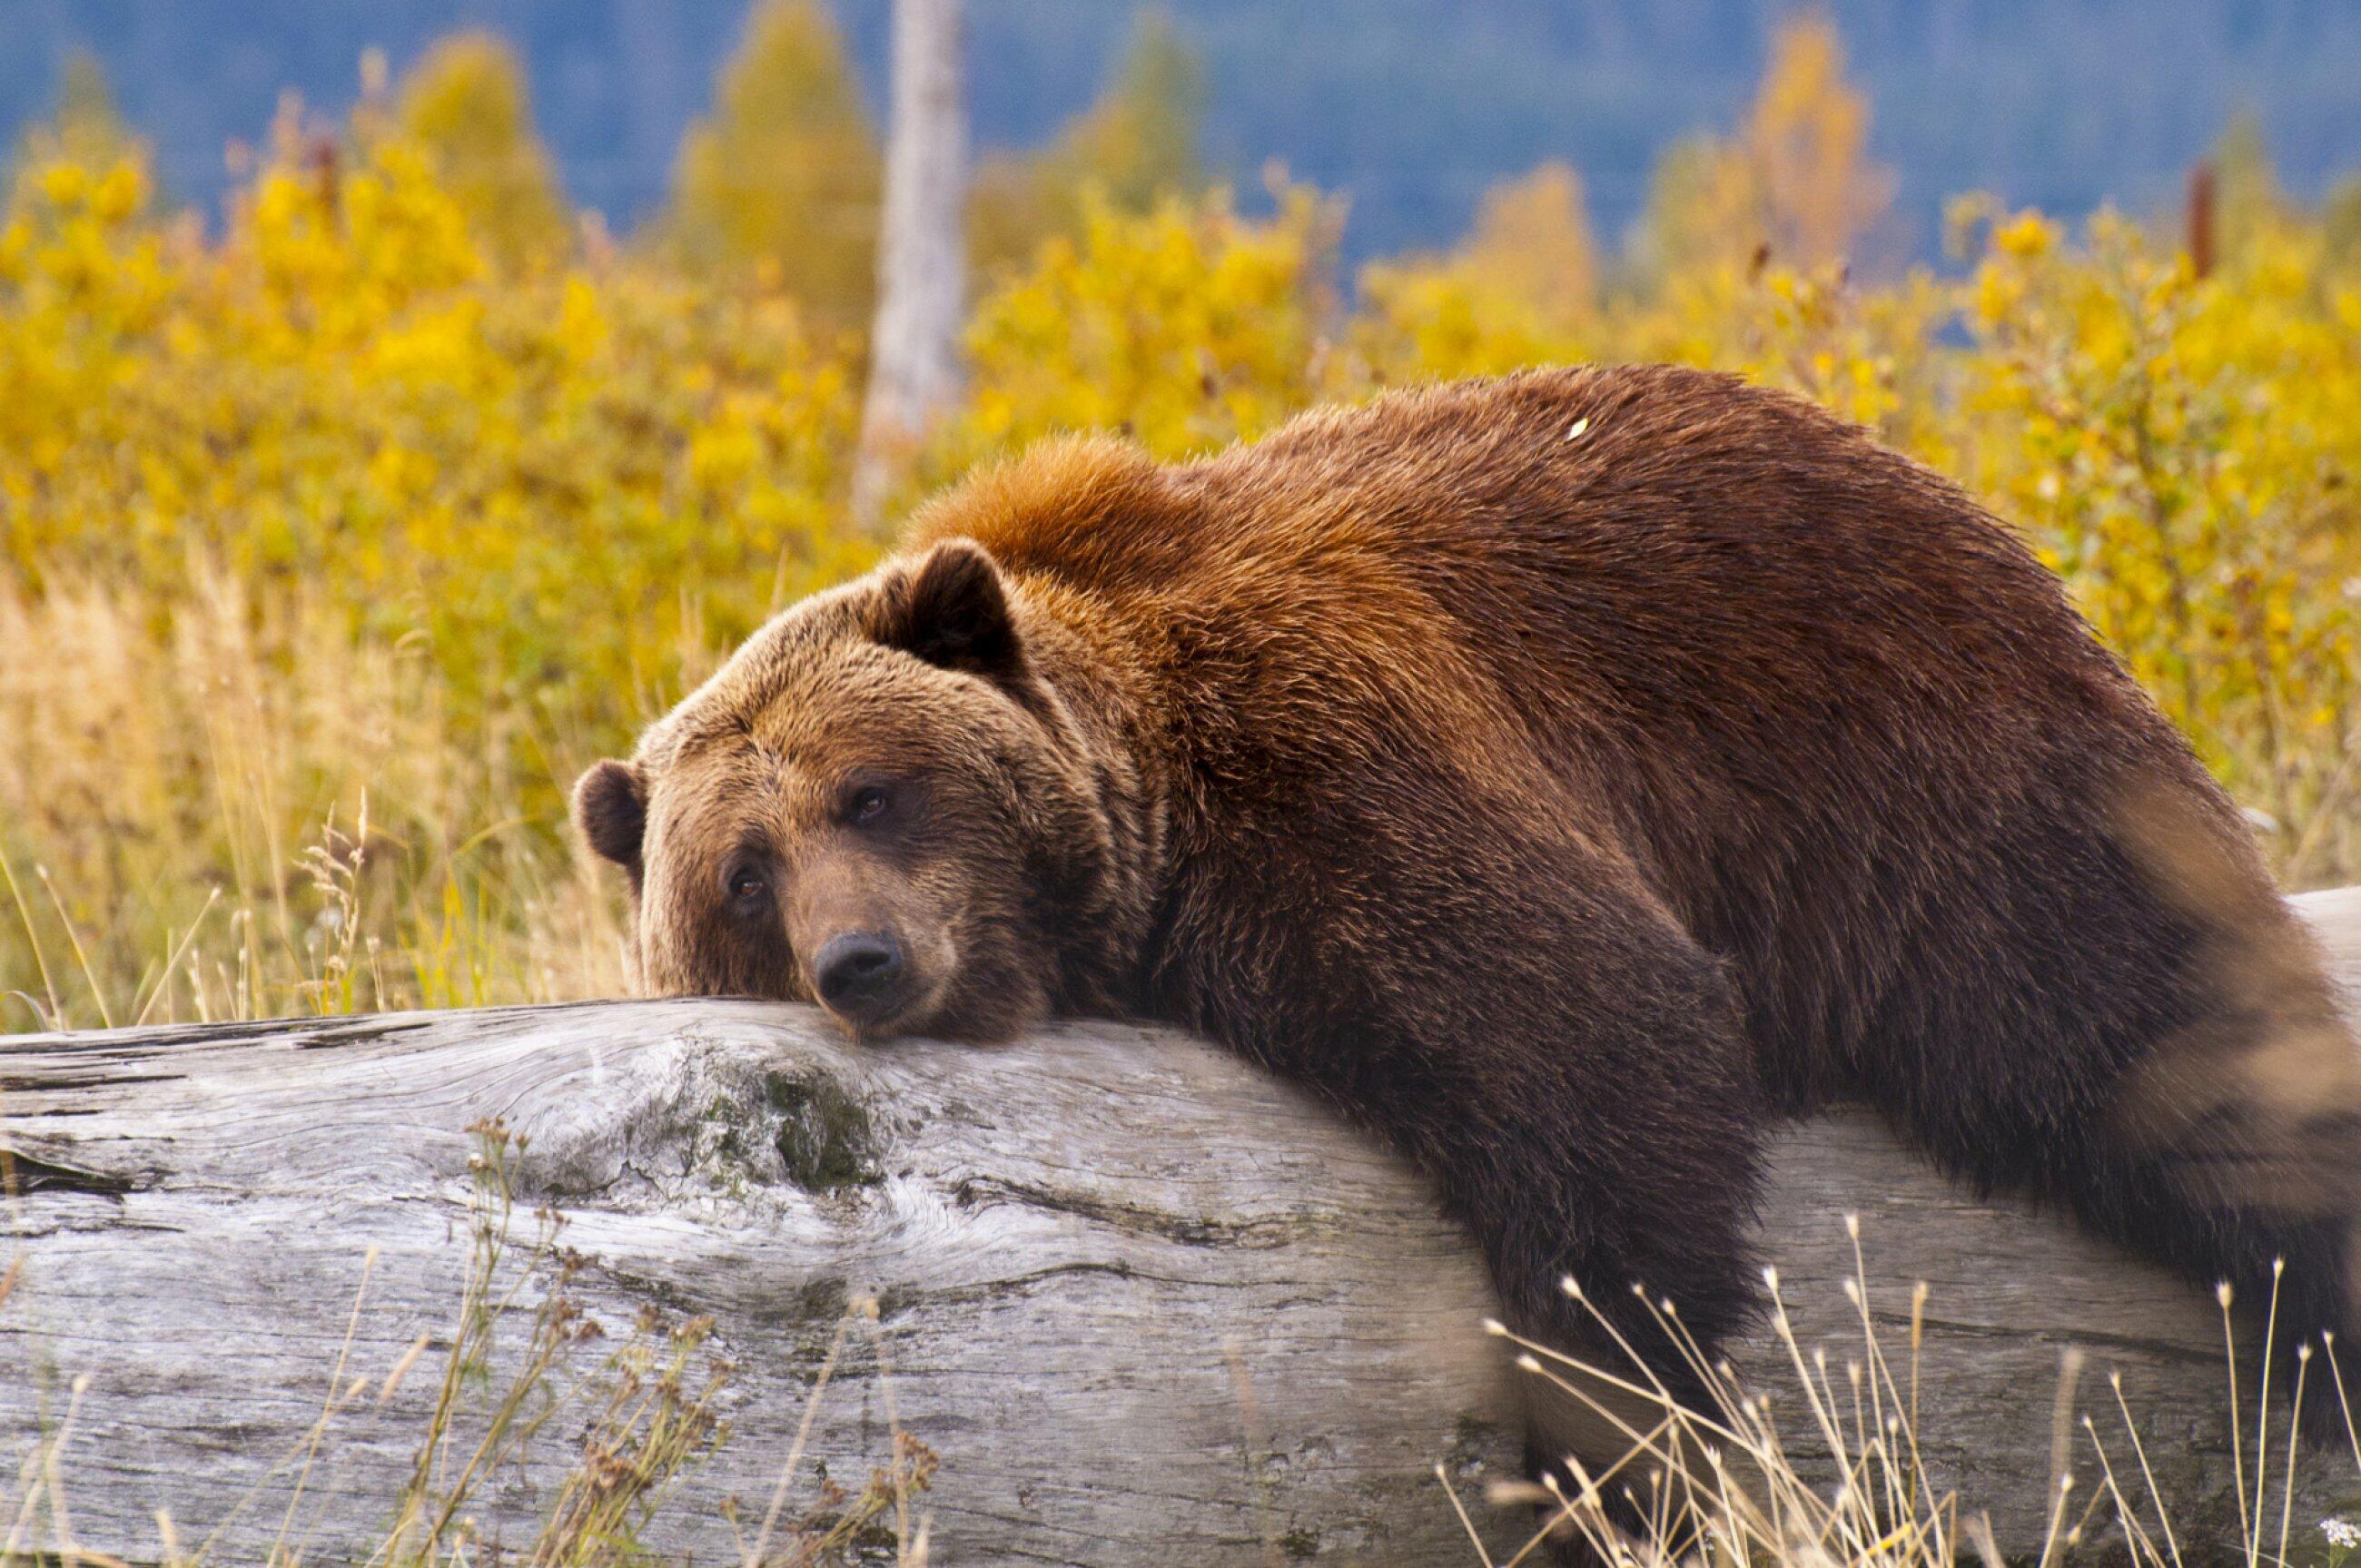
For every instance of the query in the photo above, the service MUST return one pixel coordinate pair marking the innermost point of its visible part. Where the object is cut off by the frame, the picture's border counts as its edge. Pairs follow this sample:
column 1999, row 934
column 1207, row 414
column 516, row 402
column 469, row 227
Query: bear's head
column 879, row 804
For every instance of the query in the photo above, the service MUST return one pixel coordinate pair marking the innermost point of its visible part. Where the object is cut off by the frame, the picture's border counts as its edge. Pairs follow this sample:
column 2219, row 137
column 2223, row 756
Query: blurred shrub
column 1133, row 147
column 1523, row 290
column 1793, row 183
column 782, row 180
column 1188, row 326
column 466, row 107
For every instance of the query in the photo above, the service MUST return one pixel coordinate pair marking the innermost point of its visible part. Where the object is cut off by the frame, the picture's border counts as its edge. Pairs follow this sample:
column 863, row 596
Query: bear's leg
column 2159, row 1053
column 1545, row 1041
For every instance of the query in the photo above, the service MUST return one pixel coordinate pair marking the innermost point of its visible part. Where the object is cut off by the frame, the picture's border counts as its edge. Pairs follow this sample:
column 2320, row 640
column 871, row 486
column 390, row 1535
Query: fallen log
column 1144, row 1304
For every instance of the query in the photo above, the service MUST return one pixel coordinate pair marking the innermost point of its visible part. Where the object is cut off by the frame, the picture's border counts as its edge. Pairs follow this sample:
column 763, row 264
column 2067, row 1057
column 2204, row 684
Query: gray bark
column 922, row 251
column 1148, row 1305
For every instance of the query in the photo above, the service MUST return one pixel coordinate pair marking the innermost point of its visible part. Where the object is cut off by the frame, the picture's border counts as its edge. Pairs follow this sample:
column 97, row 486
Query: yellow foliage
column 467, row 108
column 1808, row 141
column 330, row 551
column 86, row 132
column 782, row 179
column 550, row 500
column 1795, row 185
column 1189, row 327
column 2182, row 449
column 1423, row 322
column 1532, row 238
column 1523, row 290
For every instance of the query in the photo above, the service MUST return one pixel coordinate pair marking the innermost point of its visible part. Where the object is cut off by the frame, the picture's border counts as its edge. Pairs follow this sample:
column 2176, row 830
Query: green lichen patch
column 825, row 1136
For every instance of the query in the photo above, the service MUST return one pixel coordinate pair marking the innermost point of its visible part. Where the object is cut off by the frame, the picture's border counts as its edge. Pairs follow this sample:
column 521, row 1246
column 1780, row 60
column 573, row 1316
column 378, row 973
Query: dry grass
column 237, row 809
column 1732, row 1485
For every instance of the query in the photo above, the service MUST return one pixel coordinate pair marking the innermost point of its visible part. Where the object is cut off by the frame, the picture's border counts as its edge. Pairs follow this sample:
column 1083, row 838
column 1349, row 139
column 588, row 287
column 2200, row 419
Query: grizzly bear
column 1567, row 773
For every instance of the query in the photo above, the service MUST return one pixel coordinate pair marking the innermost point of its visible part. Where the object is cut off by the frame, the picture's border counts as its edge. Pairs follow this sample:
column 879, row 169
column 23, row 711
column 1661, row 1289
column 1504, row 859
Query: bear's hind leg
column 2153, row 1046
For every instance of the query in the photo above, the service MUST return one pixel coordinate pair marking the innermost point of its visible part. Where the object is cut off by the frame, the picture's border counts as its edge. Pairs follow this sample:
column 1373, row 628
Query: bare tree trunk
column 1150, row 1305
column 921, row 253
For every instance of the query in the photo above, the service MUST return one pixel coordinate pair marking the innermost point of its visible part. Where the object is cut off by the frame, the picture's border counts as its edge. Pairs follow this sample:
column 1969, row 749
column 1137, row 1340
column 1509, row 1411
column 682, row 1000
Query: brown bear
column 1567, row 774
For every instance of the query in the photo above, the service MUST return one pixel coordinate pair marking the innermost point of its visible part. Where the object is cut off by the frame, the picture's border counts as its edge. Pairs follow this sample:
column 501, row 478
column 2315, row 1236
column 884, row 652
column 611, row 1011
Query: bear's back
column 1819, row 696
column 1659, row 530
column 1698, row 579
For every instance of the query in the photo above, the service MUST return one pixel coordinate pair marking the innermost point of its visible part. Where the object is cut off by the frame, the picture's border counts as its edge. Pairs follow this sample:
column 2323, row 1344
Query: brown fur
column 1564, row 805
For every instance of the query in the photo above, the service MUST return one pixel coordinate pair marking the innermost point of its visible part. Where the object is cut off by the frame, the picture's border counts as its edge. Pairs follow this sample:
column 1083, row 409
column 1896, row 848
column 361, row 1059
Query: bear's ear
column 951, row 609
column 610, row 803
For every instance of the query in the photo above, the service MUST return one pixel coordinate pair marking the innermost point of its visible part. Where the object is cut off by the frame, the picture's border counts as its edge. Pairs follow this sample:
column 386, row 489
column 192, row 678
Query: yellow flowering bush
column 1426, row 323
column 556, row 497
column 1189, row 327
column 335, row 394
column 2183, row 450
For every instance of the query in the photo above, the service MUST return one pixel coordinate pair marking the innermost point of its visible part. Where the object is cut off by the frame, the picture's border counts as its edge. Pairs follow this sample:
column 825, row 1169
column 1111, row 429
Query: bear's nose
column 858, row 973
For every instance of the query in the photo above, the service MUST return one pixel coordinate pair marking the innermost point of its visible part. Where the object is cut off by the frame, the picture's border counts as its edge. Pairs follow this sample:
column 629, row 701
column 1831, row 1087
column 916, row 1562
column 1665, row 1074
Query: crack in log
column 992, row 1288
column 28, row 1173
column 156, row 1041
column 65, row 1082
column 357, row 1033
column 1135, row 1218
column 2089, row 1338
column 126, row 1044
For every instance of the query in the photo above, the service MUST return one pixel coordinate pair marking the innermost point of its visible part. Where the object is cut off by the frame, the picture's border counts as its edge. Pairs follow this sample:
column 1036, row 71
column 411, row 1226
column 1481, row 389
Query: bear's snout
column 861, row 975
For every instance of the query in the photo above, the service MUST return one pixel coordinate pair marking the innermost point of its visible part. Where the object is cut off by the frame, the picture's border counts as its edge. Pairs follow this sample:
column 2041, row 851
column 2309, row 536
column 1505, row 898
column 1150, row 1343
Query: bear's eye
column 868, row 804
column 746, row 885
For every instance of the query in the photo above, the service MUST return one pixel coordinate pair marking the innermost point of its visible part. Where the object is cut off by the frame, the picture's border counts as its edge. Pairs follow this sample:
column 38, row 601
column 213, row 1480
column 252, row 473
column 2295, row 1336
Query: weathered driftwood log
column 1148, row 1305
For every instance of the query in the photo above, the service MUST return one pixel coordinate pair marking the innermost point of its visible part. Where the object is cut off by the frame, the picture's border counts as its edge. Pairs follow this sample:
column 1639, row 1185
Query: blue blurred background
column 1410, row 107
